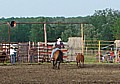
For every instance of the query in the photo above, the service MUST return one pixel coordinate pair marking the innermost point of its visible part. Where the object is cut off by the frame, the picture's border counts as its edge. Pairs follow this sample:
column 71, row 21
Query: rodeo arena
column 31, row 63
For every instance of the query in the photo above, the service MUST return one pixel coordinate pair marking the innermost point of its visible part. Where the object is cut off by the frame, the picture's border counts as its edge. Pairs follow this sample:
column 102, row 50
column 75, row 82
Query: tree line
column 103, row 25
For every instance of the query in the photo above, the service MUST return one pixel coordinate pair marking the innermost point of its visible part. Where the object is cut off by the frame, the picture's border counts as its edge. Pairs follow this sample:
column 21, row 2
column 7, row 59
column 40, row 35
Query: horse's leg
column 60, row 59
column 3, row 60
column 53, row 64
column 77, row 64
column 58, row 64
column 83, row 64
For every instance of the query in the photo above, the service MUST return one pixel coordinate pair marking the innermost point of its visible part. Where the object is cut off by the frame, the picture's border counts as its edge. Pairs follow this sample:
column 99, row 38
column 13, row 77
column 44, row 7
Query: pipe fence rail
column 31, row 52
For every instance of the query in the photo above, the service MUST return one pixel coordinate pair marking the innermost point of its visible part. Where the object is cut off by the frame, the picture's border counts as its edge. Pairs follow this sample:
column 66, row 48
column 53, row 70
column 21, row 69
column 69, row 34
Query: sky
column 54, row 8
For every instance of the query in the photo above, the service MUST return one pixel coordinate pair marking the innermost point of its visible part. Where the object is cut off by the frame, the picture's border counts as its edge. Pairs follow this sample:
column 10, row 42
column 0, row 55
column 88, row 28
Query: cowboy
column 58, row 45
column 12, row 55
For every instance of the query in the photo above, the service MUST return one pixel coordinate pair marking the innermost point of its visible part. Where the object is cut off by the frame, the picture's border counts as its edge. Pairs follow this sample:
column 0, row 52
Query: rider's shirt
column 59, row 45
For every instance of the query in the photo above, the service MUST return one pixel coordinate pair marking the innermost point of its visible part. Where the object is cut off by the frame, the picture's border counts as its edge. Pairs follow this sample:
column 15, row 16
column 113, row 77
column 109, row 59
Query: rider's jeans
column 12, row 59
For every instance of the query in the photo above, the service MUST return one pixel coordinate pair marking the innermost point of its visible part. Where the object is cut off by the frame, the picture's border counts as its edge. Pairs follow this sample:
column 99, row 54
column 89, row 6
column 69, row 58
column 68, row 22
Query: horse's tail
column 60, row 56
column 61, row 53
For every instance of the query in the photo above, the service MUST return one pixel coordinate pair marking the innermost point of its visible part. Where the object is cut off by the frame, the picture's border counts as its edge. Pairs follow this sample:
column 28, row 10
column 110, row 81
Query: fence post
column 82, row 34
column 45, row 34
column 116, row 53
column 99, row 49
column 38, row 51
column 29, row 51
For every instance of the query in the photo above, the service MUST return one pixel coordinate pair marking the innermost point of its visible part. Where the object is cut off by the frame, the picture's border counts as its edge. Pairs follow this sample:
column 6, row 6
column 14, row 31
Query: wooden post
column 82, row 38
column 29, row 51
column 99, row 50
column 38, row 51
column 45, row 34
column 9, row 36
column 116, row 57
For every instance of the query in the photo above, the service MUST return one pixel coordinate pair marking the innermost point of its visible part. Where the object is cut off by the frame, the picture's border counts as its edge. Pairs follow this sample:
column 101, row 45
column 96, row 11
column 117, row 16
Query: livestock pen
column 42, row 52
column 42, row 73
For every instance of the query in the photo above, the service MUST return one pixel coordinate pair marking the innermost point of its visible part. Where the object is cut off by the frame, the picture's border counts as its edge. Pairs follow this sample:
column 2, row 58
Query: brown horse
column 3, row 57
column 57, row 59
column 80, row 59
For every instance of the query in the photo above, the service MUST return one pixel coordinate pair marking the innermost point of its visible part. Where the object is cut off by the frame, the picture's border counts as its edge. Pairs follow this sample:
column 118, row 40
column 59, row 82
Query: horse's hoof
column 53, row 68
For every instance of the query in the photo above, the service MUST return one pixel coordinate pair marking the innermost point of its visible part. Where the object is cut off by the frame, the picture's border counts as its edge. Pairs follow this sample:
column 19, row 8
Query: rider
column 58, row 45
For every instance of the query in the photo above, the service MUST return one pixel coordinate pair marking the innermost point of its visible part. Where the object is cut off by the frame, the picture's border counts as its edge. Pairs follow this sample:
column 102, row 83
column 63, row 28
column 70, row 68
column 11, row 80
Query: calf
column 80, row 59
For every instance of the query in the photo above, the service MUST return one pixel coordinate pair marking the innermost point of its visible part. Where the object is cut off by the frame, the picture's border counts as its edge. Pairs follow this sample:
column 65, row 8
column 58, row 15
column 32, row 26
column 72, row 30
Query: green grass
column 90, row 58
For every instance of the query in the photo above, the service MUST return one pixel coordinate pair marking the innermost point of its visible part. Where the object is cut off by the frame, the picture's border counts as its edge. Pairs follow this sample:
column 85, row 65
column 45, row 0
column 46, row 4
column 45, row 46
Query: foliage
column 103, row 25
column 103, row 21
column 116, row 29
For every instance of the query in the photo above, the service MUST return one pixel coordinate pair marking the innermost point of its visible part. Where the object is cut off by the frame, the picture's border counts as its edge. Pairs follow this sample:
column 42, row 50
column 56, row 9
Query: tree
column 103, row 20
column 36, row 33
column 3, row 33
column 116, row 29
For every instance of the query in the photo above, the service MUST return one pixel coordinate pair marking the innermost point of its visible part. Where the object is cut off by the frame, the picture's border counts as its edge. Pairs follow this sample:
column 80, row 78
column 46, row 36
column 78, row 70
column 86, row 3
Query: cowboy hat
column 59, row 39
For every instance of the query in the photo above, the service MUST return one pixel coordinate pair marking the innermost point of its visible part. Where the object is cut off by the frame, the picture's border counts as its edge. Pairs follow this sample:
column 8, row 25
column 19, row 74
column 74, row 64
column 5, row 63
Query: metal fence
column 93, row 51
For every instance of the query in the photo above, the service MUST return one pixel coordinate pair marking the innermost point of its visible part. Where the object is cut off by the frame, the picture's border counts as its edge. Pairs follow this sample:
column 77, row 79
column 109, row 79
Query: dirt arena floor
column 68, row 74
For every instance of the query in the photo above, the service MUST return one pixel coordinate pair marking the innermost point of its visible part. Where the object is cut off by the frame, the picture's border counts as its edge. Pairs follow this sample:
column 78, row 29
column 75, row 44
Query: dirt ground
column 68, row 74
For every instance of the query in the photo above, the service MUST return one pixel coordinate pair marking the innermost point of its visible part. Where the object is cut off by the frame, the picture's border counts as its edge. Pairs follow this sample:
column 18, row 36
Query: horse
column 3, row 57
column 57, row 59
column 80, row 59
